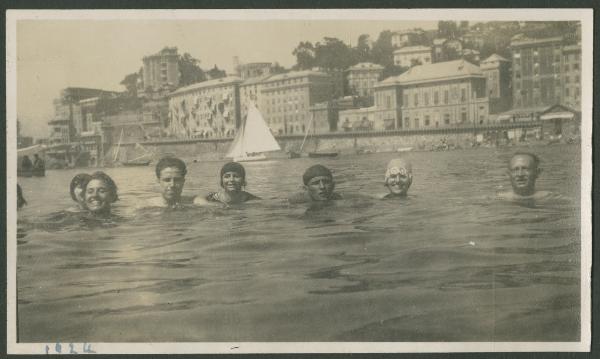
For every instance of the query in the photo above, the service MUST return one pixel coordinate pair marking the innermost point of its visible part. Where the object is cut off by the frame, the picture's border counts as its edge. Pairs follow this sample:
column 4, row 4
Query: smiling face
column 232, row 181
column 320, row 188
column 398, row 181
column 98, row 196
column 523, row 172
column 171, row 181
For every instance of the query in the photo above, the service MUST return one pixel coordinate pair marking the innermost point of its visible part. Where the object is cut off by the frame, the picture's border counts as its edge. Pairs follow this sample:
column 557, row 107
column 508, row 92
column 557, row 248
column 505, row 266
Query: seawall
column 344, row 142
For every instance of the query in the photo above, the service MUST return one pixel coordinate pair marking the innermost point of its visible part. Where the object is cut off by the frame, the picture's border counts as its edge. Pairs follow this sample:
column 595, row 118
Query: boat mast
column 307, row 132
column 118, row 149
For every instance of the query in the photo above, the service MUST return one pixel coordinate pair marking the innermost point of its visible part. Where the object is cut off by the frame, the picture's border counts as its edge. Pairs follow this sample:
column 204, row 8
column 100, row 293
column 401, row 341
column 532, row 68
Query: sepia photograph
column 298, row 181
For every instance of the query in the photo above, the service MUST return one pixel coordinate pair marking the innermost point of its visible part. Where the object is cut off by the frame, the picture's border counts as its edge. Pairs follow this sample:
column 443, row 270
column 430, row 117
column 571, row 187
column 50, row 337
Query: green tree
column 363, row 50
column 190, row 71
column 333, row 54
column 382, row 51
column 305, row 55
column 216, row 73
column 130, row 83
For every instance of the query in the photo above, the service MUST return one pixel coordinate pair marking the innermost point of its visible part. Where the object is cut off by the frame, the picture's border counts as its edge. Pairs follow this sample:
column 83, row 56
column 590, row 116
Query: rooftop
column 296, row 74
column 449, row 70
column 495, row 57
column 366, row 66
column 255, row 80
column 411, row 49
column 523, row 40
column 211, row 83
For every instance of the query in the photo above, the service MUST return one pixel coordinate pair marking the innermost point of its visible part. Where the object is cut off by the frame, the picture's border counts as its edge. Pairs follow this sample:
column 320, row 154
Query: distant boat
column 322, row 154
column 313, row 154
column 404, row 149
column 253, row 139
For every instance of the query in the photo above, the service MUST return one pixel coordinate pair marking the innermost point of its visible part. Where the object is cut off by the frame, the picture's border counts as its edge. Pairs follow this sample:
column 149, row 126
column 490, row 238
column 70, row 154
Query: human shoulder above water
column 232, row 179
column 523, row 171
column 319, row 186
column 170, row 174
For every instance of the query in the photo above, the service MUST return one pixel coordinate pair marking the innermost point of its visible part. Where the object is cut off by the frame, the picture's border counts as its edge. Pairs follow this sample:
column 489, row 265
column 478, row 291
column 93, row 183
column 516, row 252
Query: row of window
column 464, row 96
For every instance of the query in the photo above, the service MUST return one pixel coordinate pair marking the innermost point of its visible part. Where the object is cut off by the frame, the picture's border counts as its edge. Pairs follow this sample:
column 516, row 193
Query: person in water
column 26, row 164
column 76, row 189
column 100, row 193
column 38, row 163
column 20, row 199
column 398, row 178
column 170, row 174
column 523, row 171
column 232, row 179
column 318, row 186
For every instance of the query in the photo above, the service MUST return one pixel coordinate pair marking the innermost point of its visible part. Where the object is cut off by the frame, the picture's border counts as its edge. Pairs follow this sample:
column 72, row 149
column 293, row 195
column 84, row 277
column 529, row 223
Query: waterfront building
column 546, row 71
column 363, row 76
column 251, row 92
column 360, row 119
column 409, row 56
column 287, row 98
column 253, row 69
column 326, row 114
column 435, row 95
column 407, row 37
column 497, row 72
column 206, row 109
column 160, row 70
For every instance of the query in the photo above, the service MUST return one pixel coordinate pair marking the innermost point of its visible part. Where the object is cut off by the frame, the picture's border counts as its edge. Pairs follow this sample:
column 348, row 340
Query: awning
column 558, row 115
column 30, row 151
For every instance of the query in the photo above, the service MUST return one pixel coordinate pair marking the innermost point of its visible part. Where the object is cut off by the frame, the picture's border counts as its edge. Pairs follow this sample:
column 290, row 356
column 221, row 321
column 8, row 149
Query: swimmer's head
column 170, row 172
column 77, row 187
column 100, row 193
column 232, row 177
column 398, row 176
column 318, row 182
column 523, row 170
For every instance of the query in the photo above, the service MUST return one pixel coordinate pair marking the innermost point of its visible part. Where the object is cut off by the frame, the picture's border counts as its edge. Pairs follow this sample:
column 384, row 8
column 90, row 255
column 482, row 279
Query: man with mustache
column 318, row 186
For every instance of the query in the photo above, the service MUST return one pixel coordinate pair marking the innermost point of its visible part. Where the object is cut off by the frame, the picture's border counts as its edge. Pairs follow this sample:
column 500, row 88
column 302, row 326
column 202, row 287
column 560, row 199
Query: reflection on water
column 448, row 263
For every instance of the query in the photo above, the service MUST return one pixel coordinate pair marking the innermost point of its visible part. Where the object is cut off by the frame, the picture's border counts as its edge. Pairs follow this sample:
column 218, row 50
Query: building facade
column 326, row 116
column 409, row 56
column 546, row 71
column 497, row 73
column 360, row 119
column 363, row 76
column 251, row 92
column 436, row 95
column 406, row 37
column 287, row 98
column 160, row 70
column 207, row 109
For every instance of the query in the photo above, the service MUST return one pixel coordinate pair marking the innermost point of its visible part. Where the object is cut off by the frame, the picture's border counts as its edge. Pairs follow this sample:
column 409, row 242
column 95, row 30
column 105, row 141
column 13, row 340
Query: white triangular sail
column 254, row 136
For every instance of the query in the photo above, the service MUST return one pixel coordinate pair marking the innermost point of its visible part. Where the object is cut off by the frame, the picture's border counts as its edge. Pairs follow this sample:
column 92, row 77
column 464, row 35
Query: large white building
column 409, row 56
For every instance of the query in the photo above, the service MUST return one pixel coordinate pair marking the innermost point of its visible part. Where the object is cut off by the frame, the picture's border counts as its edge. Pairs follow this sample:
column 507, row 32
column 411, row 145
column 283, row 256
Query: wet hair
column 80, row 180
column 166, row 162
column 233, row 167
column 534, row 157
column 20, row 199
column 109, row 182
column 316, row 171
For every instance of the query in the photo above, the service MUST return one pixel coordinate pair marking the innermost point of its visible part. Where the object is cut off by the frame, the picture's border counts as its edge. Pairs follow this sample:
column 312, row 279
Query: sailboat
column 294, row 154
column 253, row 139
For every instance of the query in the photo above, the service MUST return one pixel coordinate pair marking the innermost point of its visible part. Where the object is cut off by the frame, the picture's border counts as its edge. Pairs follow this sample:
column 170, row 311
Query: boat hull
column 252, row 158
column 322, row 154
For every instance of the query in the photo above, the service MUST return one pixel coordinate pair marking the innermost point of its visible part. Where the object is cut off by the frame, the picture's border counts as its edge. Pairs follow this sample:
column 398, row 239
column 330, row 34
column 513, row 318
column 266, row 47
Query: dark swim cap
column 233, row 167
column 316, row 171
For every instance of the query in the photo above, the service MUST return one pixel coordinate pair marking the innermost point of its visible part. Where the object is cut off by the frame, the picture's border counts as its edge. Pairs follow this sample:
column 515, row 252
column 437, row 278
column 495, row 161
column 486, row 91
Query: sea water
column 449, row 263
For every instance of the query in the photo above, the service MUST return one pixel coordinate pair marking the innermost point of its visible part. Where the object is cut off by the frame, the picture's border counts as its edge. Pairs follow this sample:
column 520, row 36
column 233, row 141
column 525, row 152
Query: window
column 407, row 123
column 567, row 92
column 405, row 100
column 446, row 97
column 463, row 95
column 416, row 123
column 416, row 99
column 388, row 102
column 426, row 120
column 426, row 99
column 436, row 98
column 567, row 79
column 446, row 118
column 575, row 66
column 463, row 117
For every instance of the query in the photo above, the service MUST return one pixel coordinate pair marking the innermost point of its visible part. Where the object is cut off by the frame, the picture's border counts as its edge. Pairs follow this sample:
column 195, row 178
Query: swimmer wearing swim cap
column 398, row 178
column 318, row 186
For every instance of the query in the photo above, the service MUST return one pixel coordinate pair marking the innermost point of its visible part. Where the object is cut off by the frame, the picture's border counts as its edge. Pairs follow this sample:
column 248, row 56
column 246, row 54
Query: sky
column 54, row 54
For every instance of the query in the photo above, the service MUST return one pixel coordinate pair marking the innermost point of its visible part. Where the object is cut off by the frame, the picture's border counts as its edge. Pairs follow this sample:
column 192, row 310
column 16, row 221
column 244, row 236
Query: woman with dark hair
column 100, row 193
column 76, row 189
column 232, row 179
